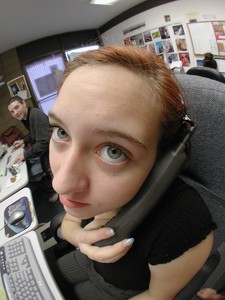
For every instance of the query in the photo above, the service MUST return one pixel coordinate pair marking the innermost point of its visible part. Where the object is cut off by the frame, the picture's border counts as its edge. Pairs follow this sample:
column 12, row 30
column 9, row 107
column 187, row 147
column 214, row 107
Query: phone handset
column 155, row 185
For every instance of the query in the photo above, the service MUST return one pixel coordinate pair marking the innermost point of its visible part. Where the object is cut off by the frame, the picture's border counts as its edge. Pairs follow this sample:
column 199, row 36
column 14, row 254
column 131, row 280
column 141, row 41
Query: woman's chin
column 77, row 213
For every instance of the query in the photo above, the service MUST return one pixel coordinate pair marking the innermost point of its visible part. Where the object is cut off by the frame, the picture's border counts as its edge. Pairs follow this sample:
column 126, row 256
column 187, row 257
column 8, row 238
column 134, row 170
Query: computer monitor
column 199, row 62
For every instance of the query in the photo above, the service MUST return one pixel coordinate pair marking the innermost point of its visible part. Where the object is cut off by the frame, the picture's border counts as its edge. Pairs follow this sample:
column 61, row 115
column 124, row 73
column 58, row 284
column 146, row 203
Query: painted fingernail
column 128, row 242
column 110, row 232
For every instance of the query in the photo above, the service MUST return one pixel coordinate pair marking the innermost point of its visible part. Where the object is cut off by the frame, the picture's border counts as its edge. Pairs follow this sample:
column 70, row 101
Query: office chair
column 206, row 72
column 45, row 164
column 10, row 135
column 40, row 174
column 205, row 171
column 46, row 179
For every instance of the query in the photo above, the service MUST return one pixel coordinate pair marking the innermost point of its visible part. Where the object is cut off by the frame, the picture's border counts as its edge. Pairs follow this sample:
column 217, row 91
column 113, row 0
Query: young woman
column 118, row 110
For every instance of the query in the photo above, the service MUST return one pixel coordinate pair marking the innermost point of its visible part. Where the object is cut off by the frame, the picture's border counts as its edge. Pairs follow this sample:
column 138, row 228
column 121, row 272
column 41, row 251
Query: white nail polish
column 111, row 232
column 128, row 242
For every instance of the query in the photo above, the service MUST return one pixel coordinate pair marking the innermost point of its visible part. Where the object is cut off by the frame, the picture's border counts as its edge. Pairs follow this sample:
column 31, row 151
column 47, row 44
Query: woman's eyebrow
column 54, row 117
column 120, row 134
column 108, row 133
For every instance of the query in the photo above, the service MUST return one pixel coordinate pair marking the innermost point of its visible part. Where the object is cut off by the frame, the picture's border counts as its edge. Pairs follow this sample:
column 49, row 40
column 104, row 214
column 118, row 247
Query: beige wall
column 180, row 12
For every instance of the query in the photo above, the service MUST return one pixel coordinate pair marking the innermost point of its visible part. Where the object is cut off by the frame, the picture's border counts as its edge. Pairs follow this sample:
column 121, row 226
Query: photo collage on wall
column 219, row 29
column 167, row 41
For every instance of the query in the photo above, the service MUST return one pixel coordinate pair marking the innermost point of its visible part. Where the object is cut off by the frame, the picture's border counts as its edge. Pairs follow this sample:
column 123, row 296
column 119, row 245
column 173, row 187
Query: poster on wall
column 219, row 29
column 18, row 87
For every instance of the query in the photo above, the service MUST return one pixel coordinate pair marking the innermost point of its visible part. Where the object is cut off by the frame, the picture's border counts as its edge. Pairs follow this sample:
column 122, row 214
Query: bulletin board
column 18, row 86
column 208, row 36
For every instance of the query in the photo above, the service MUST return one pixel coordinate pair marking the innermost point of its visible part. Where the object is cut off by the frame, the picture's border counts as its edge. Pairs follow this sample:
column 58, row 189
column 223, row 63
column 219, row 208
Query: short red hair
column 163, row 87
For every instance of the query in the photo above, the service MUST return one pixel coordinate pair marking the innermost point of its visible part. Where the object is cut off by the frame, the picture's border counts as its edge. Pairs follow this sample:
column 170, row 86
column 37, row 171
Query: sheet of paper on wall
column 221, row 64
column 22, row 94
column 175, row 64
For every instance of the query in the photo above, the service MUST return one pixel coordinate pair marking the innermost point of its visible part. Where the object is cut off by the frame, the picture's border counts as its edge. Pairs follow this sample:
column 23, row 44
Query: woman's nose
column 71, row 175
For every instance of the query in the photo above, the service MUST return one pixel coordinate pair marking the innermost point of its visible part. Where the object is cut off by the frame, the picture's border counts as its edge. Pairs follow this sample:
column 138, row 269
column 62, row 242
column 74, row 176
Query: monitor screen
column 199, row 62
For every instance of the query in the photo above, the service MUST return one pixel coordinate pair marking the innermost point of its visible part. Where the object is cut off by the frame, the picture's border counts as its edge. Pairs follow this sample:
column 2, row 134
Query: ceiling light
column 104, row 2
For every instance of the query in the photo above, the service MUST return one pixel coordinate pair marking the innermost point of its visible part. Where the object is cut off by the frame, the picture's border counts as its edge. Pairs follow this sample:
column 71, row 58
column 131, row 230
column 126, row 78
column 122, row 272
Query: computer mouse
column 16, row 217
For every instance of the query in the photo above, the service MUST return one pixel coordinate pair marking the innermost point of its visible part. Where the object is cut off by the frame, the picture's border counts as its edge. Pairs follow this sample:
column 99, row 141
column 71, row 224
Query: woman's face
column 104, row 141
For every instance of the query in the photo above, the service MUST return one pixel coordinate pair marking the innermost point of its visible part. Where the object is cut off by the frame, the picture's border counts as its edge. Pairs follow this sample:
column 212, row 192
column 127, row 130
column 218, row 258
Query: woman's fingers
column 107, row 254
column 94, row 235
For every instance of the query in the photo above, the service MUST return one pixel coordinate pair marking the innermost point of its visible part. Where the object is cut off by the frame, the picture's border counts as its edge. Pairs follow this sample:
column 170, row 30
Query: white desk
column 20, row 200
column 7, row 188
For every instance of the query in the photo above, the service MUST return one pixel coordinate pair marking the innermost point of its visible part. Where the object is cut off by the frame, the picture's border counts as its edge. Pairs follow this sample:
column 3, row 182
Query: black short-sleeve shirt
column 179, row 222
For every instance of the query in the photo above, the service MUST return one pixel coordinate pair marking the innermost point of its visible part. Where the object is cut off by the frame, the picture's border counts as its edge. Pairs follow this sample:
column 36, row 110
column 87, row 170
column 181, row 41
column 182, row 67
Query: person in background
column 210, row 294
column 209, row 61
column 119, row 109
column 37, row 124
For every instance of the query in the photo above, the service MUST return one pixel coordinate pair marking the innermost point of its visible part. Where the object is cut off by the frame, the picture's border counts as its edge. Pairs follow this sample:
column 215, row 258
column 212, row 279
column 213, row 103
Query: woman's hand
column 17, row 144
column 85, row 238
column 107, row 254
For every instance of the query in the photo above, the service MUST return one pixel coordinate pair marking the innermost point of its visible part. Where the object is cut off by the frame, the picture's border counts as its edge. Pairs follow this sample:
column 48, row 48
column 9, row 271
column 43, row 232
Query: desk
column 20, row 200
column 6, row 187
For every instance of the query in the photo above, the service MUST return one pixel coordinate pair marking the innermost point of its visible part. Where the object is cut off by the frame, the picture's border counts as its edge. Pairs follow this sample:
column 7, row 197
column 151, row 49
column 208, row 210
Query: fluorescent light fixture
column 104, row 2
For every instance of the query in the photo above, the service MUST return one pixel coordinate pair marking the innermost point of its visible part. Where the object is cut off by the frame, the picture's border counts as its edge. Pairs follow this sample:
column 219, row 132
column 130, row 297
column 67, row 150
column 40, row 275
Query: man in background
column 39, row 135
column 209, row 61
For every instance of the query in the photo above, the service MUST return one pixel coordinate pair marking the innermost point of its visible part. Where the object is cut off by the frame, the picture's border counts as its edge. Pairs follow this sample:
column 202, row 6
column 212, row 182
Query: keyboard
column 21, row 274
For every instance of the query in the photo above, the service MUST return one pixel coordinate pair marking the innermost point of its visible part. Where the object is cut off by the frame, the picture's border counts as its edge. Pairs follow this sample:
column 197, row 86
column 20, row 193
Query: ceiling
column 22, row 21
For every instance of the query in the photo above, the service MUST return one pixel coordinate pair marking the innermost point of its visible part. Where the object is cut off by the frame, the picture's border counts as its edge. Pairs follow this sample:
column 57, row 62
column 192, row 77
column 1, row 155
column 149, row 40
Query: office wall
column 180, row 11
column 55, row 44
column 11, row 65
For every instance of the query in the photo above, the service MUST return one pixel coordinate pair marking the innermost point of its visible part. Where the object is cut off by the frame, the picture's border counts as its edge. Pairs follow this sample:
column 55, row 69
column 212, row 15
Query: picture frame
column 18, row 87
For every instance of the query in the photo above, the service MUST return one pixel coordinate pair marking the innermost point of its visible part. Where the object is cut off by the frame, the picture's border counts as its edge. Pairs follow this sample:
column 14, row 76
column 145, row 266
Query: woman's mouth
column 71, row 203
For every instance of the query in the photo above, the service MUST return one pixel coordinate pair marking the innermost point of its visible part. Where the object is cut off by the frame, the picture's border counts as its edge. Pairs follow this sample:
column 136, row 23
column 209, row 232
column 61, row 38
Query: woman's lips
column 71, row 203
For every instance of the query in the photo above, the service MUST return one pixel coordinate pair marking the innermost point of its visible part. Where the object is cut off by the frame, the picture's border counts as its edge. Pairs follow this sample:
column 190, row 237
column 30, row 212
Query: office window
column 45, row 75
column 71, row 54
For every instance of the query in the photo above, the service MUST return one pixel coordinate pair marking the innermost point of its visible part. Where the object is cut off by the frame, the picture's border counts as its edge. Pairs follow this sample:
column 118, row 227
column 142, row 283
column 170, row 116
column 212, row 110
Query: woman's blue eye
column 112, row 154
column 59, row 134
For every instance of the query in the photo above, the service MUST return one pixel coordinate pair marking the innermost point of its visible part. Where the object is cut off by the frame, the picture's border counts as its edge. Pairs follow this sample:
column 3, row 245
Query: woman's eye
column 59, row 134
column 112, row 154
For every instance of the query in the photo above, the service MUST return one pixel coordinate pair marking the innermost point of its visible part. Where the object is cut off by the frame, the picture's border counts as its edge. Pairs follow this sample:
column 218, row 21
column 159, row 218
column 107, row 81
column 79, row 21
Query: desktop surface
column 8, row 186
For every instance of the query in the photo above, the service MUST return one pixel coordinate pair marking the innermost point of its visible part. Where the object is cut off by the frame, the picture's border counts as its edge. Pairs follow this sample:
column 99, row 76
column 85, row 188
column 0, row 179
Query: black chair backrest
column 206, row 72
column 205, row 101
